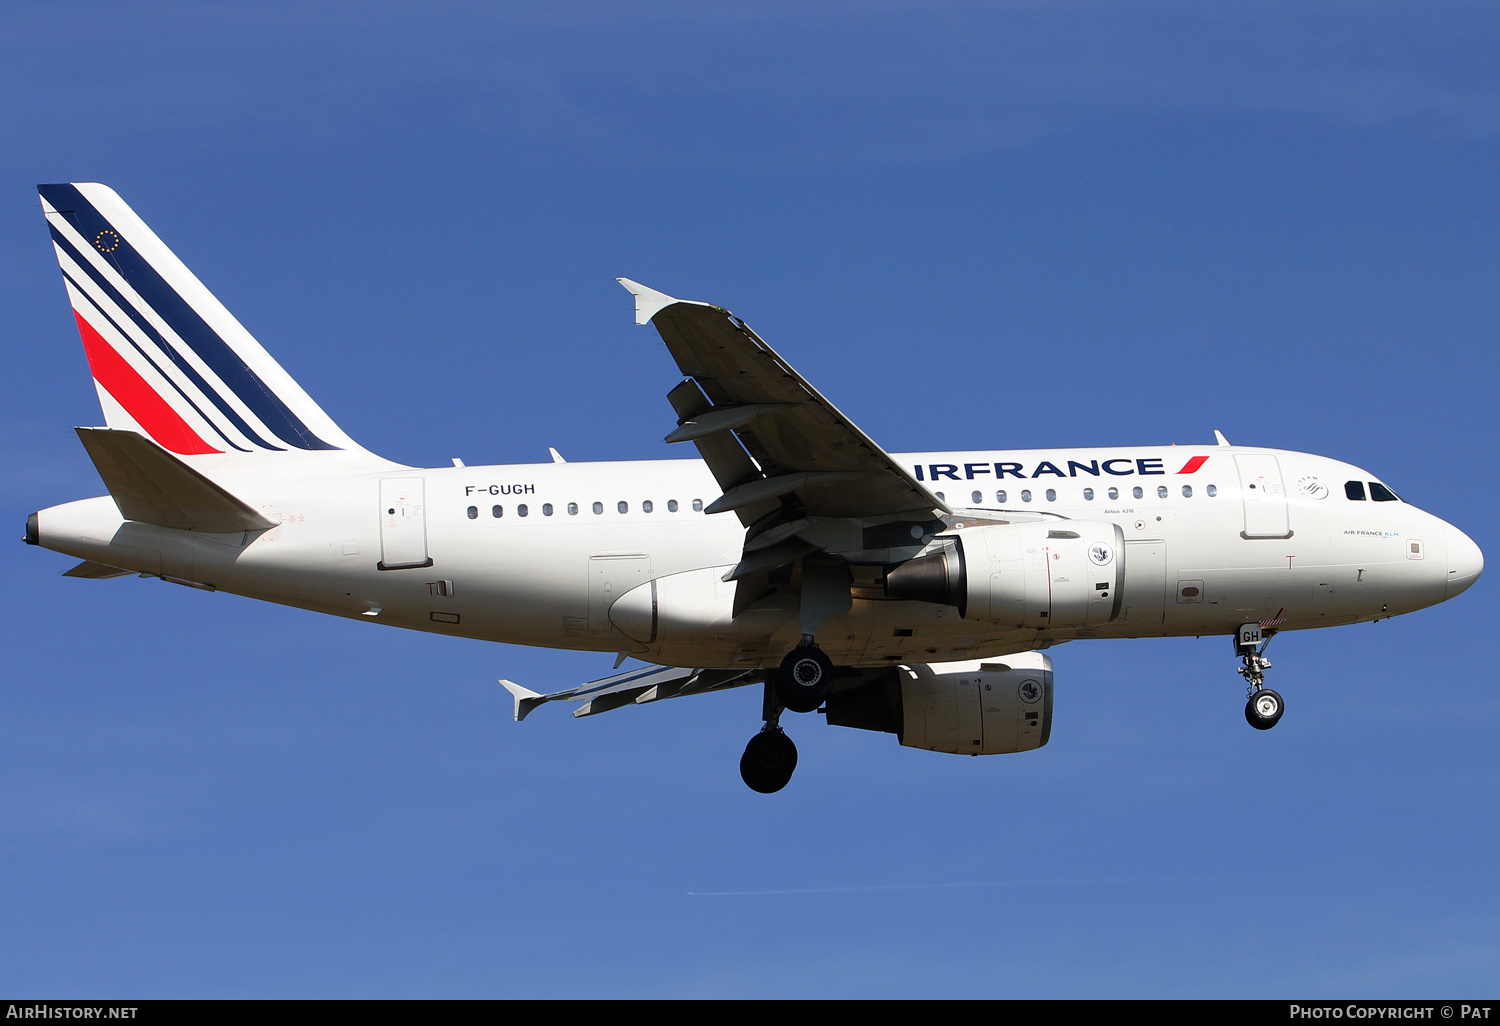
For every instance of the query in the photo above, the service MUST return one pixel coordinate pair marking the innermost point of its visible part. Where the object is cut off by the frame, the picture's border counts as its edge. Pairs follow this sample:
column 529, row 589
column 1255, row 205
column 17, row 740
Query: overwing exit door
column 403, row 524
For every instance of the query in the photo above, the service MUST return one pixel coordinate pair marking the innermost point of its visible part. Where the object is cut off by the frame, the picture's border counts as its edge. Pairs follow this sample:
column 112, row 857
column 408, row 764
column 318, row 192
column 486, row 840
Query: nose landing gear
column 1264, row 707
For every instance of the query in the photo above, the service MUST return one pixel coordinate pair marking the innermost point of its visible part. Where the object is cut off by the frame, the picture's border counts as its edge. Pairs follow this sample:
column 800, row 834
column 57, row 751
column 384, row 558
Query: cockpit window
column 1380, row 493
column 1355, row 490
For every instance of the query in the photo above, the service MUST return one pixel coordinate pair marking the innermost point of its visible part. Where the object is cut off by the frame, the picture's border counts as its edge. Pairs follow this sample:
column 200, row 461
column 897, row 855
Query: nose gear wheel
column 1264, row 709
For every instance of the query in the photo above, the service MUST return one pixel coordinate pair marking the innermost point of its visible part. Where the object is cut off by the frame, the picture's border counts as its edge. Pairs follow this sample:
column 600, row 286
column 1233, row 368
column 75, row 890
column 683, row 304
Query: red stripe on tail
column 1192, row 465
column 140, row 400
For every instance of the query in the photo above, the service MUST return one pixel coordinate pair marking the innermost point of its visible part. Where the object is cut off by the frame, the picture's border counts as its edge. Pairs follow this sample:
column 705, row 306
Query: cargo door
column 612, row 574
column 1038, row 612
column 1145, row 581
column 403, row 524
column 1264, row 497
column 970, row 716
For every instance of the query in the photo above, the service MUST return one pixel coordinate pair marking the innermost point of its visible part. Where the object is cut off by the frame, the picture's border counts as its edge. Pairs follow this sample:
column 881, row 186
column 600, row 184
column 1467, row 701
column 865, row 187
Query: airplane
column 914, row 594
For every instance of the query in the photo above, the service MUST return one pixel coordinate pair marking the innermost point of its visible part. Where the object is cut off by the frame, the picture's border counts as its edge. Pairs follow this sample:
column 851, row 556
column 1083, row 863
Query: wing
column 637, row 686
column 798, row 473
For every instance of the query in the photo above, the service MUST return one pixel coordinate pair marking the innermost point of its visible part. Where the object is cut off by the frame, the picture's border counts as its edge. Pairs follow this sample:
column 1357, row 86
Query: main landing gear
column 803, row 679
column 799, row 684
column 1264, row 707
column 770, row 757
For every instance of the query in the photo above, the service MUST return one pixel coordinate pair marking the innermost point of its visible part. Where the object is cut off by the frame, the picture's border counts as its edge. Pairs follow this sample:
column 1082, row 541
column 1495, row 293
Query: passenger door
column 403, row 524
column 1264, row 497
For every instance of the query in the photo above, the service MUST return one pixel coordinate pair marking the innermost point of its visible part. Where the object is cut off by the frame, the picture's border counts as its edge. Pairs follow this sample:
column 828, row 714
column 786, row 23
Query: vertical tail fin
column 168, row 360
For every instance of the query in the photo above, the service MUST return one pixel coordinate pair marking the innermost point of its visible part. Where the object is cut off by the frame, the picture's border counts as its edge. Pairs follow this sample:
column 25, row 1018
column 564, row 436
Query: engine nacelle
column 979, row 707
column 1052, row 573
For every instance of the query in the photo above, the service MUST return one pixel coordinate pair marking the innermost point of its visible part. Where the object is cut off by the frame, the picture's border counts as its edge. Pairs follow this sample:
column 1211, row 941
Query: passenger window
column 1213, row 490
column 623, row 506
column 1380, row 493
column 546, row 509
column 473, row 512
column 598, row 508
column 1051, row 494
column 1138, row 492
column 1025, row 494
column 976, row 498
column 1355, row 490
column 1114, row 493
column 697, row 505
column 521, row 510
column 497, row 512
column 1000, row 497
column 671, row 505
column 647, row 507
column 1187, row 491
column 1088, row 495
column 572, row 509
column 1161, row 491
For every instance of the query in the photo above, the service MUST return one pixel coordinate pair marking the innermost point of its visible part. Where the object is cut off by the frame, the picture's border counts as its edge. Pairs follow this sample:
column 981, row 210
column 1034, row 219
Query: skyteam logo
column 1030, row 691
column 1101, row 554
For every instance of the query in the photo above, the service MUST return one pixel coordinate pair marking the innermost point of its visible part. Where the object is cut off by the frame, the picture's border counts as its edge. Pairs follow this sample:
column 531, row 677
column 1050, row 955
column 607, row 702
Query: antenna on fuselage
column 1219, row 437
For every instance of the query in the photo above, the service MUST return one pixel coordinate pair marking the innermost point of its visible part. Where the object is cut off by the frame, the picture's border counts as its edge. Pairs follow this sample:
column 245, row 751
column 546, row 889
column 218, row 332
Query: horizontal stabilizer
column 89, row 570
column 638, row 686
column 152, row 486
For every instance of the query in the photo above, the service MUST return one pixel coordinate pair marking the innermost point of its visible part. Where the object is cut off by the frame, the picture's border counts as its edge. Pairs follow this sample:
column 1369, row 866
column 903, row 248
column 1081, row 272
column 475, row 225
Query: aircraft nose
column 1465, row 561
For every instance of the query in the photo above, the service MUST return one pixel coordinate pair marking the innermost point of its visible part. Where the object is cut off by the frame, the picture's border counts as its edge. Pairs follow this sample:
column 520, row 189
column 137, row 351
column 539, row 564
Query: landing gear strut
column 804, row 677
column 770, row 757
column 1264, row 707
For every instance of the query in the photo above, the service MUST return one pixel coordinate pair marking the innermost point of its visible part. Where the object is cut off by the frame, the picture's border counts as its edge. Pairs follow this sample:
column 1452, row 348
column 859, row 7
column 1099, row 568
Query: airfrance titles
column 1093, row 468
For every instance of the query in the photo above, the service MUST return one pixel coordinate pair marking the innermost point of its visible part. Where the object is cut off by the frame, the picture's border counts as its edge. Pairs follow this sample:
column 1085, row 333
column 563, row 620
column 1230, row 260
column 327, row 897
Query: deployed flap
column 153, row 487
column 92, row 571
column 794, row 434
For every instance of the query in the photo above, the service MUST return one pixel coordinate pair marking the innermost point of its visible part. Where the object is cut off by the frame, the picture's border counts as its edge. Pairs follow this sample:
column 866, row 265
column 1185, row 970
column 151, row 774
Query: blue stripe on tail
column 184, row 320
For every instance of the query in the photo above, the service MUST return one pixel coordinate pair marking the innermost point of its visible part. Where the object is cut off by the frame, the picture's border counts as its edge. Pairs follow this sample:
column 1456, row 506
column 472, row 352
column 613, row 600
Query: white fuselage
column 1204, row 551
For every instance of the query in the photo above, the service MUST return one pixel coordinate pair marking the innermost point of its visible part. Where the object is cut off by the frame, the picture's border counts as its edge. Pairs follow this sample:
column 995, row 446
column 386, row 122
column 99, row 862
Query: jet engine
column 1052, row 573
column 978, row 707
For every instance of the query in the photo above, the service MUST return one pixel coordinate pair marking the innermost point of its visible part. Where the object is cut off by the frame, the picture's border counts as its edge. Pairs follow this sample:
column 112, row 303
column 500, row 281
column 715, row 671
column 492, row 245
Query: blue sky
column 971, row 225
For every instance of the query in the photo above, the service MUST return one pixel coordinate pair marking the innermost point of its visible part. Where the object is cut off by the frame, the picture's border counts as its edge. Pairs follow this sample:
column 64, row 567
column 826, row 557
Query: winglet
column 526, row 699
column 648, row 302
